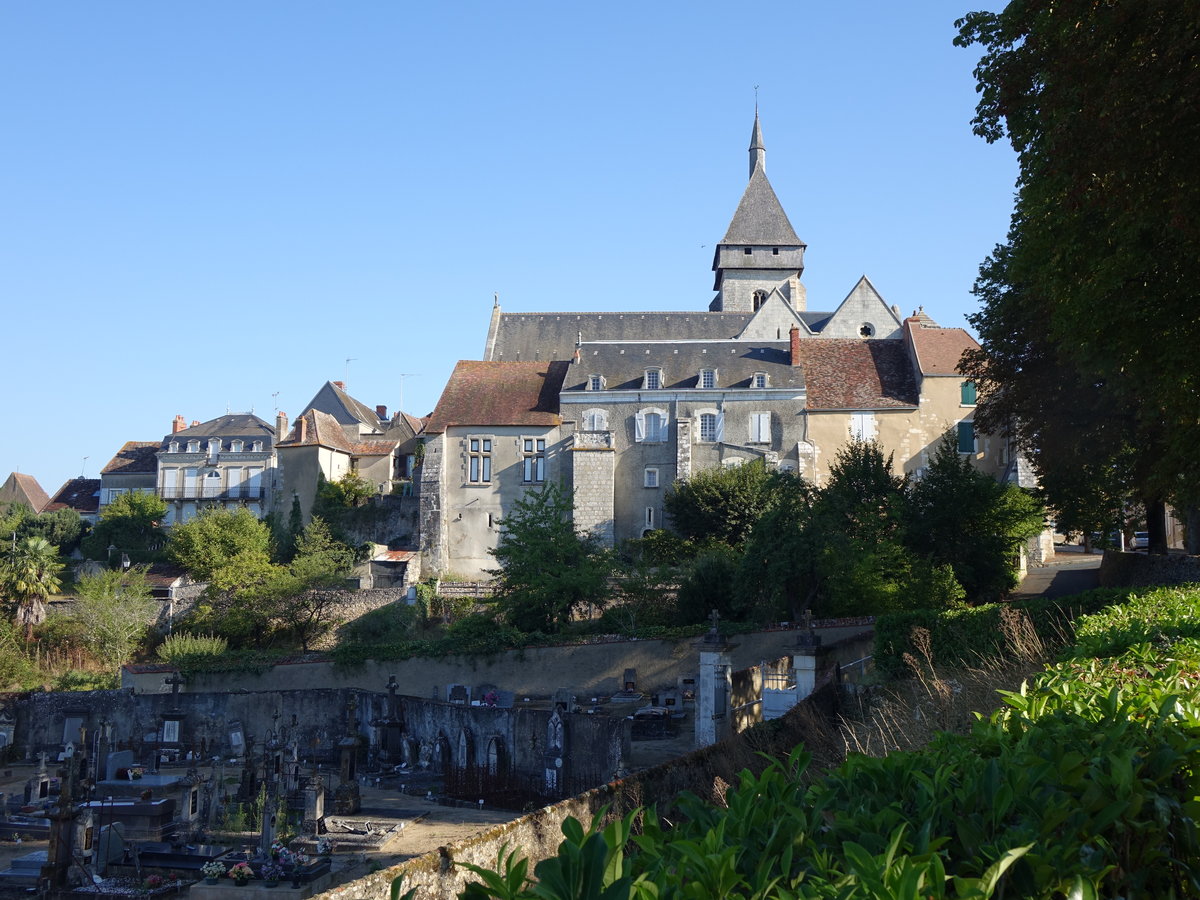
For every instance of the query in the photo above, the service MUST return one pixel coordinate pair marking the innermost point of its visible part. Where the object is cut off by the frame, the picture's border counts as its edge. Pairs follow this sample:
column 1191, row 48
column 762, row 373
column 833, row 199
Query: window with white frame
column 479, row 460
column 257, row 446
column 650, row 426
column 650, row 477
column 193, row 447
column 236, row 446
column 533, row 460
column 862, row 426
column 595, row 383
column 710, row 427
column 653, row 380
column 595, row 420
column 173, row 447
column 212, row 484
column 759, row 380
column 214, row 446
column 708, row 379
column 760, row 428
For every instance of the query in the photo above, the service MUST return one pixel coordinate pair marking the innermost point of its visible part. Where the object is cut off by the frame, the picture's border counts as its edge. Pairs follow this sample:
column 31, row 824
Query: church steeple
column 758, row 153
column 760, row 250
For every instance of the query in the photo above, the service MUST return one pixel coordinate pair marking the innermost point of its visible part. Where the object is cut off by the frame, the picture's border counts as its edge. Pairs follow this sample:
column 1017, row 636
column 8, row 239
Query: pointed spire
column 758, row 153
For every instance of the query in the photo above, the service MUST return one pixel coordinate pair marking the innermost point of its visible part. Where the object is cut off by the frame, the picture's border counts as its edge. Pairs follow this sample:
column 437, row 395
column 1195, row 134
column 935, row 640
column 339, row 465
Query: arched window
column 760, row 297
column 650, row 426
column 711, row 427
column 595, row 420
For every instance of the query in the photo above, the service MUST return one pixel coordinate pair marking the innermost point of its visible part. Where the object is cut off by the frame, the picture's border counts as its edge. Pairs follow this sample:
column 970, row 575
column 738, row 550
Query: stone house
column 226, row 462
column 336, row 434
column 133, row 468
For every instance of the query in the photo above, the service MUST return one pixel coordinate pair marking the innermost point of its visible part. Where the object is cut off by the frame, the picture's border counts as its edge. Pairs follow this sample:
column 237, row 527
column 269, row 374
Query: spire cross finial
column 756, row 100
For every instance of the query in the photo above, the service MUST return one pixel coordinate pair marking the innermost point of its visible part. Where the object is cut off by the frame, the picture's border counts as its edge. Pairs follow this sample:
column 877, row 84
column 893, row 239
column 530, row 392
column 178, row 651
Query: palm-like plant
column 30, row 575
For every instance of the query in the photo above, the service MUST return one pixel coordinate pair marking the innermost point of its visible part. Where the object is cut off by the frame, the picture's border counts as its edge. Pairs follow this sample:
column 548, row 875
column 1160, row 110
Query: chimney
column 178, row 425
column 381, row 412
column 303, row 430
column 794, row 335
column 195, row 422
column 340, row 385
column 280, row 425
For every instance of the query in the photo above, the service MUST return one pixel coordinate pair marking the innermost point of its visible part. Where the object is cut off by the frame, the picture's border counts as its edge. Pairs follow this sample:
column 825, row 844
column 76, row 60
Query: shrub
column 181, row 646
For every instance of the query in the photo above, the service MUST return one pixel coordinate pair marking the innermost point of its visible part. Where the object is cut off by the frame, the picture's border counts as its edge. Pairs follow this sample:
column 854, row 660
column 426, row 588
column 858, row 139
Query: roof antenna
column 275, row 400
column 346, row 377
column 404, row 375
column 83, row 466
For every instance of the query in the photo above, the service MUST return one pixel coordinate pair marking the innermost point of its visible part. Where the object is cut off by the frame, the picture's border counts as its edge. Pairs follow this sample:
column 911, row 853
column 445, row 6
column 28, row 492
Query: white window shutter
column 720, row 436
column 639, row 427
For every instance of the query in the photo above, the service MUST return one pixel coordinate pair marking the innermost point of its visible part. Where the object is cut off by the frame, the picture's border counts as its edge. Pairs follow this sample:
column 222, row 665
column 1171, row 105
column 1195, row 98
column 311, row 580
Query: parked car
column 1141, row 541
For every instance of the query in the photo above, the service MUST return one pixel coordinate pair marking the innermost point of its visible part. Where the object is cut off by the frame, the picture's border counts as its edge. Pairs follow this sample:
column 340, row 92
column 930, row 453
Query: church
column 617, row 406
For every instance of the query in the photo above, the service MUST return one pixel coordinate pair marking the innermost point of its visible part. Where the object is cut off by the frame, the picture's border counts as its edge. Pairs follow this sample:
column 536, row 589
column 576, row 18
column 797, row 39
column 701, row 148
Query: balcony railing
column 241, row 492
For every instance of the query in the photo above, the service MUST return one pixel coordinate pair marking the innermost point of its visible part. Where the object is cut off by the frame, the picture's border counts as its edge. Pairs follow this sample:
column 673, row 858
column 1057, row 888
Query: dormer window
column 193, row 447
column 173, row 447
column 708, row 379
column 595, row 383
column 214, row 446
column 759, row 380
column 257, row 446
column 236, row 446
column 653, row 380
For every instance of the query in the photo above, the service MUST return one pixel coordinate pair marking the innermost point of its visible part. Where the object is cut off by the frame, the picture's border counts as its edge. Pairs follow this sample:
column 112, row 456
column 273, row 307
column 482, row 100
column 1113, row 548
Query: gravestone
column 459, row 694
column 115, row 761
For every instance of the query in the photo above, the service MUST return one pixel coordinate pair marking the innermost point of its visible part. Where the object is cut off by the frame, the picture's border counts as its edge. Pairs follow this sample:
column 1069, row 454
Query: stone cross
column 807, row 619
column 714, row 617
column 174, row 681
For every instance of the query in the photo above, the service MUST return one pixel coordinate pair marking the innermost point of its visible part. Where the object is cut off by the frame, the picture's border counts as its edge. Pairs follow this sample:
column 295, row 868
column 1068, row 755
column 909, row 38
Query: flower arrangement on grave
column 153, row 882
column 491, row 698
column 324, row 846
column 241, row 872
column 212, row 869
column 277, row 848
column 135, row 772
column 272, row 871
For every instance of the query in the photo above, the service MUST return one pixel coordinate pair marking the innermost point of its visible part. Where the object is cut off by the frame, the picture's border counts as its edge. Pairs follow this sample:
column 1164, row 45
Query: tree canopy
column 720, row 504
column 1092, row 299
column 115, row 610
column 213, row 539
column 548, row 569
column 130, row 524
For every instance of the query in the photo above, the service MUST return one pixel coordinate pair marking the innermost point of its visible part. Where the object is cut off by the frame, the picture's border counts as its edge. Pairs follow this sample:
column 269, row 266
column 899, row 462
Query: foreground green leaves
column 1083, row 785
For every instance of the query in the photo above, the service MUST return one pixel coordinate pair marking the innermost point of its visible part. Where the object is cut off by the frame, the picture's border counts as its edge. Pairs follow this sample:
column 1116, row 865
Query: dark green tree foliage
column 62, row 527
column 779, row 566
column 963, row 518
column 720, row 504
column 710, row 583
column 1097, row 282
column 132, row 524
column 547, row 568
column 320, row 558
column 213, row 539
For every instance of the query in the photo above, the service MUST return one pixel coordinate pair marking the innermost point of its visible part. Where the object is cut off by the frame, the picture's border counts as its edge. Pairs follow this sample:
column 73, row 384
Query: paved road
column 1071, row 572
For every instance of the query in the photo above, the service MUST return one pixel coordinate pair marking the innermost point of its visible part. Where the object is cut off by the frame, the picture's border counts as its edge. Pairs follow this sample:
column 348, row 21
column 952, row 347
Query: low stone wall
column 1118, row 569
column 705, row 773
column 585, row 669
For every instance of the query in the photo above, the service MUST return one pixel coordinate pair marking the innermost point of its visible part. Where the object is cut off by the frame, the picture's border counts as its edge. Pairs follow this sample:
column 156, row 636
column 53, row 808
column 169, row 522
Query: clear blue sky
column 212, row 206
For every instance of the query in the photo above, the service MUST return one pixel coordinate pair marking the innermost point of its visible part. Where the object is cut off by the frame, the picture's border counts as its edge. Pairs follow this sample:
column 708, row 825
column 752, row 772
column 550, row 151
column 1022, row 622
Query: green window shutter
column 968, row 393
column 966, row 437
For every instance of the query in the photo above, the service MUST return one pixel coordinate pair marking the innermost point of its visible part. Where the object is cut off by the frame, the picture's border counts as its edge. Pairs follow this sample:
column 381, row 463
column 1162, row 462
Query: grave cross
column 714, row 617
column 174, row 681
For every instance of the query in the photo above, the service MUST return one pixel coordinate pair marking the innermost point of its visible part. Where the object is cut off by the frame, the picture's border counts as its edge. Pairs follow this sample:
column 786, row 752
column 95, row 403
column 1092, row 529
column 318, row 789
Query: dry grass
column 906, row 715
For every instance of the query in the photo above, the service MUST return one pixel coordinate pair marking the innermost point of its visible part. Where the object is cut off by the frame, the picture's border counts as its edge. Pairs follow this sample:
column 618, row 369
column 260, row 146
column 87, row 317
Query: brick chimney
column 178, row 425
column 381, row 412
column 340, row 385
column 280, row 425
column 303, row 430
column 794, row 336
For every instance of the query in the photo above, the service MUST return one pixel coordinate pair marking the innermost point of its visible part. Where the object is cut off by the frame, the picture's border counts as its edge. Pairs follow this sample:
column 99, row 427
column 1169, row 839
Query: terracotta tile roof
column 855, row 374
column 938, row 350
column 22, row 488
column 316, row 429
column 394, row 556
column 133, row 458
column 372, row 448
column 79, row 494
column 500, row 393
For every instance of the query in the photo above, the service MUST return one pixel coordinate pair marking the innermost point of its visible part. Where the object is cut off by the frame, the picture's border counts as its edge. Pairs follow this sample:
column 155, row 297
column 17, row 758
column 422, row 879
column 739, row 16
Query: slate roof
column 22, row 488
column 333, row 399
column 760, row 218
column 499, row 393
column 79, row 494
column 232, row 426
column 134, row 458
column 855, row 374
column 545, row 336
column 938, row 350
column 623, row 365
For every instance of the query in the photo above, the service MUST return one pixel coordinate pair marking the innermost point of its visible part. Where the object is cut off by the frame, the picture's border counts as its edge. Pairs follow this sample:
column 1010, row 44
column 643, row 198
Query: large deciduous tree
column 132, row 525
column 115, row 609
column 548, row 569
column 720, row 504
column 1093, row 298
column 213, row 539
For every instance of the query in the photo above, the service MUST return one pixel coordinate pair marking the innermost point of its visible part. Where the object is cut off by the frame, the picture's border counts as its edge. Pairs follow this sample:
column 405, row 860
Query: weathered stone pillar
column 714, row 721
column 593, row 467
